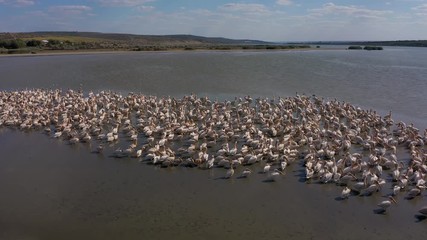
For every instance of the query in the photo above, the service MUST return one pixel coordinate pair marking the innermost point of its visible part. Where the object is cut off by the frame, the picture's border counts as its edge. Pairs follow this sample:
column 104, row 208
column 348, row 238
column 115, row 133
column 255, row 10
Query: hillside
column 126, row 39
column 36, row 42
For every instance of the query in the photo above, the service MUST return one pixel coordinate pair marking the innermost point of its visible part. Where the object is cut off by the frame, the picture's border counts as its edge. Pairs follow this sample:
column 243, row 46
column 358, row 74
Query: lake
column 52, row 190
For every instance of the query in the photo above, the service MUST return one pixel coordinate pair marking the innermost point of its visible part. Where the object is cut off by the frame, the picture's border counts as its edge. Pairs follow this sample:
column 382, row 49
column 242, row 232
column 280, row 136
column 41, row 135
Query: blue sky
column 270, row 20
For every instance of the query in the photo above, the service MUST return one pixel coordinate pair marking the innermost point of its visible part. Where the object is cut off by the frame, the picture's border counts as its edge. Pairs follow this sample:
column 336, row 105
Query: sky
column 268, row 20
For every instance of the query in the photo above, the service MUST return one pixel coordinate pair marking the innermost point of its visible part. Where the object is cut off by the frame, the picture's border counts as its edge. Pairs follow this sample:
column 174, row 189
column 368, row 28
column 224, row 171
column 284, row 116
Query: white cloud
column 244, row 8
column 24, row 2
column 124, row 3
column 70, row 9
column 233, row 20
column 331, row 8
column 284, row 2
column 18, row 3
column 144, row 8
column 420, row 10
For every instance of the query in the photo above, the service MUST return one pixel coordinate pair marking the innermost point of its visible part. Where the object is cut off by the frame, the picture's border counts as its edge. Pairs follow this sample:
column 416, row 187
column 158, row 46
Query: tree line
column 19, row 43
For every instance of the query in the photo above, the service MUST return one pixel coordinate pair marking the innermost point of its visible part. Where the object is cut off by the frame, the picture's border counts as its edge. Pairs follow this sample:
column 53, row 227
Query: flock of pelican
column 335, row 142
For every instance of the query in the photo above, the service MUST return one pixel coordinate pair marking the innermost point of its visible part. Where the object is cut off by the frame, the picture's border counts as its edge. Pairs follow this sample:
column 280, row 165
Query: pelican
column 283, row 165
column 396, row 189
column 229, row 173
column 252, row 159
column 403, row 181
column 327, row 176
column 386, row 203
column 57, row 134
column 138, row 153
column 358, row 187
column 423, row 211
column 274, row 175
column 208, row 164
column 345, row 193
column 308, row 173
column 74, row 140
column 246, row 173
column 266, row 168
column 414, row 192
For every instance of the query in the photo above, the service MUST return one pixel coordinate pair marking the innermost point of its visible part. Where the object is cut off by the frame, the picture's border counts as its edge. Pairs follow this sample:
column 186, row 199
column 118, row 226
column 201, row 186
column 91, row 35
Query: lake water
column 52, row 190
column 393, row 79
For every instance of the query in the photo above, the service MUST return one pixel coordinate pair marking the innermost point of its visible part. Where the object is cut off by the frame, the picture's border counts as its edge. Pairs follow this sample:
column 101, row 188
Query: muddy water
column 52, row 190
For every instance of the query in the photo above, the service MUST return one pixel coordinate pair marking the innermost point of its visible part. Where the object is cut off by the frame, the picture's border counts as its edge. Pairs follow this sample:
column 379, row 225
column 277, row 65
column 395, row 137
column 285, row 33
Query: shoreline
column 110, row 51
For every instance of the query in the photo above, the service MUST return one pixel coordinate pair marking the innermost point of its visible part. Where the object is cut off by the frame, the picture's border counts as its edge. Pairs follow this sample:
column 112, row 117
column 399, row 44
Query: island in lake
column 365, row 48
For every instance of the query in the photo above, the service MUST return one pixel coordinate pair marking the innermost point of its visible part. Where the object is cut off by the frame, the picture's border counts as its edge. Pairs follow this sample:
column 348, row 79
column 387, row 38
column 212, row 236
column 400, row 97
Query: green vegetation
column 12, row 44
column 79, row 41
column 372, row 48
column 218, row 47
column 365, row 48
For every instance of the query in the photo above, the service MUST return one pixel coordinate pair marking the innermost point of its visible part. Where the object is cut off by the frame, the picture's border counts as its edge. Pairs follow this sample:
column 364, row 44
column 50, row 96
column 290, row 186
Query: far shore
column 63, row 52
column 113, row 51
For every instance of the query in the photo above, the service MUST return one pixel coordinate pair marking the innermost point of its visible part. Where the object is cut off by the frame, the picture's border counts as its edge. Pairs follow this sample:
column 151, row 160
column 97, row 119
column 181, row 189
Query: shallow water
column 392, row 79
column 52, row 190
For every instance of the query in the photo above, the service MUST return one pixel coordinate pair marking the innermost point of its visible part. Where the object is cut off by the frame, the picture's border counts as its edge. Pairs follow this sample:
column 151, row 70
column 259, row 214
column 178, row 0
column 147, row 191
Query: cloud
column 244, row 8
column 124, row 3
column 420, row 10
column 144, row 8
column 284, row 2
column 70, row 9
column 18, row 3
column 353, row 11
column 24, row 2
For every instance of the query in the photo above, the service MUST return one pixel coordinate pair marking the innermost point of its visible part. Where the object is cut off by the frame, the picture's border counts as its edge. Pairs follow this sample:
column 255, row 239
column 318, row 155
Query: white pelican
column 57, row 134
column 283, row 165
column 358, row 187
column 414, row 192
column 345, row 193
column 207, row 164
column 396, row 189
column 246, row 173
column 229, row 173
column 266, row 168
column 326, row 177
column 252, row 159
column 274, row 175
column 386, row 203
column 138, row 153
column 403, row 181
column 74, row 140
column 309, row 173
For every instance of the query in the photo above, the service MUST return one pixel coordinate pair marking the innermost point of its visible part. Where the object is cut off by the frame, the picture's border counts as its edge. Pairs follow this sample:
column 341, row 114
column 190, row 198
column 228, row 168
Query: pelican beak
column 393, row 200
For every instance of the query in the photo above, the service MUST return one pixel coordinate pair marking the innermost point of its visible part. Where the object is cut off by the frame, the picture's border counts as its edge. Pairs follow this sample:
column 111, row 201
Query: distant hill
column 45, row 42
column 129, row 39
